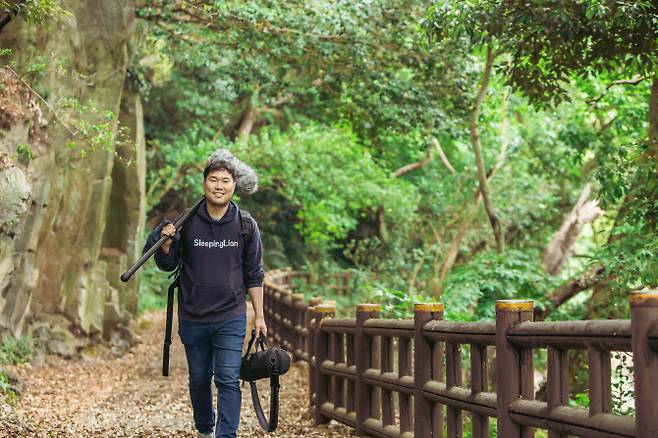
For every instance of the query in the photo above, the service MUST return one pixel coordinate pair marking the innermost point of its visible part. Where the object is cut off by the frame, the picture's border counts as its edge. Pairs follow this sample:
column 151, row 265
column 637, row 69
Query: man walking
column 219, row 252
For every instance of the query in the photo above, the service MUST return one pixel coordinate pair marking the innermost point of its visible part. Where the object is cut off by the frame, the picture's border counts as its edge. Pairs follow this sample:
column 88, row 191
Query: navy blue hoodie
column 216, row 269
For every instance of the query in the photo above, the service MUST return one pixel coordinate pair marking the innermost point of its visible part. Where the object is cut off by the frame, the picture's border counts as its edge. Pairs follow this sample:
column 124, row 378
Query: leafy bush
column 471, row 290
column 14, row 351
column 153, row 288
column 329, row 179
column 7, row 391
column 395, row 303
column 4, row 382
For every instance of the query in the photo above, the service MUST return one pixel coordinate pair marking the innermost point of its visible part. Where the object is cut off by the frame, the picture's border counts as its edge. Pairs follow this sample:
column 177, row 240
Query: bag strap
column 261, row 341
column 168, row 326
column 251, row 342
column 175, row 284
column 268, row 426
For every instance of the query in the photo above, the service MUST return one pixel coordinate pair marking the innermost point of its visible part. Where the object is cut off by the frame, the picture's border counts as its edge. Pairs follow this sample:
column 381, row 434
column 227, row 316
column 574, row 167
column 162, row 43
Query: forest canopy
column 463, row 151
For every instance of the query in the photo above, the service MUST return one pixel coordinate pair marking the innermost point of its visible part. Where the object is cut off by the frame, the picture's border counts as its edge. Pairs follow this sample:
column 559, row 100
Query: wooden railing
column 403, row 378
column 338, row 282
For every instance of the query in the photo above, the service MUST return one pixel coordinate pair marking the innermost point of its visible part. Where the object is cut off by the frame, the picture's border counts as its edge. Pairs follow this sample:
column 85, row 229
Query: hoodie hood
column 213, row 224
column 229, row 216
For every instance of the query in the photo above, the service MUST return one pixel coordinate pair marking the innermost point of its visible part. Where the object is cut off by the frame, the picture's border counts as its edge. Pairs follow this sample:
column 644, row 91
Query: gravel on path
column 126, row 396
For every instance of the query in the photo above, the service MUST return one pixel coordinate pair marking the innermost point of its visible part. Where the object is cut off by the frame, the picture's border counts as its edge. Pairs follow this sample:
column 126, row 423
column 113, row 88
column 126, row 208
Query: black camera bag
column 272, row 363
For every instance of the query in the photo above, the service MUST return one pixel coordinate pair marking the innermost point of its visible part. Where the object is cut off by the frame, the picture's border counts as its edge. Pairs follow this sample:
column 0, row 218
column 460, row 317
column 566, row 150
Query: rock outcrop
column 71, row 182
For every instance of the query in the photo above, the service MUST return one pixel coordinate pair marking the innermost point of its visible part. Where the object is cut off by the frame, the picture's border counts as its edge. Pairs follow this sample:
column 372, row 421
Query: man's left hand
column 260, row 327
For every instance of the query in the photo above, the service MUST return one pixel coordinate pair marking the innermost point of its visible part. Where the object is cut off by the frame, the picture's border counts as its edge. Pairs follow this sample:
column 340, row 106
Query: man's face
column 219, row 187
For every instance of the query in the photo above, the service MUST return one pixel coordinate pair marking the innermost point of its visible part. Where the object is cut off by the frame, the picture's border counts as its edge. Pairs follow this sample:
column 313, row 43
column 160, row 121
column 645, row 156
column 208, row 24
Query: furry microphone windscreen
column 246, row 180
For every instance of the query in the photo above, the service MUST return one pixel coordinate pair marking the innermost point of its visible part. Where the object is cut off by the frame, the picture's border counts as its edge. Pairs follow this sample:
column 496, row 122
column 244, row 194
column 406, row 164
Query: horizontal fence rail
column 404, row 378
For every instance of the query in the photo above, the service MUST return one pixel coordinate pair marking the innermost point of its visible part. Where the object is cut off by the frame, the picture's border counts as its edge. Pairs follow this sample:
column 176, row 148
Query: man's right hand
column 167, row 230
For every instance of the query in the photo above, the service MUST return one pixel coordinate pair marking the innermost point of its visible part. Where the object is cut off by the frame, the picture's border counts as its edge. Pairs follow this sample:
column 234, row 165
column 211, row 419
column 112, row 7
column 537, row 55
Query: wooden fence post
column 644, row 320
column 321, row 311
column 297, row 324
column 276, row 314
column 363, row 355
column 427, row 422
column 310, row 346
column 286, row 320
column 266, row 302
column 513, row 369
column 480, row 423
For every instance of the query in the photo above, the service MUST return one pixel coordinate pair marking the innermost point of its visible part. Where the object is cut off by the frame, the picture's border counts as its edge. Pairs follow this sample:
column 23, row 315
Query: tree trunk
column 653, row 124
column 559, row 248
column 453, row 251
column 599, row 304
column 479, row 159
column 249, row 116
column 470, row 211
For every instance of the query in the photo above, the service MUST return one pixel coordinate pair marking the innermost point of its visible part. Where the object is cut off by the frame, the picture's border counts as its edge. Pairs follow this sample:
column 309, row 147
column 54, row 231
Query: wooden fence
column 338, row 282
column 403, row 378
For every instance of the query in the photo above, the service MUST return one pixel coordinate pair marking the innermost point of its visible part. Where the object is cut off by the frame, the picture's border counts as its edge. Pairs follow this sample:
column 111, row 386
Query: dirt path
column 127, row 397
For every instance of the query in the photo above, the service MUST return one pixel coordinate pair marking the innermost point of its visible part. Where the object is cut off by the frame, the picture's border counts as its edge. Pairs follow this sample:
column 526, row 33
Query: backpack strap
column 171, row 291
column 246, row 230
column 168, row 326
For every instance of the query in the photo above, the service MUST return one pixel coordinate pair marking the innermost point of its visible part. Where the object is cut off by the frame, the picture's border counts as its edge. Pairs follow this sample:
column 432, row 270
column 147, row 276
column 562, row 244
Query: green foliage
column 334, row 60
column 91, row 127
column 329, row 179
column 24, row 153
column 153, row 286
column 623, row 391
column 580, row 399
column 14, row 351
column 600, row 56
column 394, row 303
column 550, row 44
column 580, row 37
column 4, row 382
column 471, row 290
column 6, row 390
column 179, row 164
column 34, row 11
column 342, row 94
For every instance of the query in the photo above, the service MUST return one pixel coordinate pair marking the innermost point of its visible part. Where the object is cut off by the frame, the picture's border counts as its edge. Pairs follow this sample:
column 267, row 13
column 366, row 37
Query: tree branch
column 430, row 156
column 12, row 13
column 477, row 151
column 634, row 81
column 183, row 171
column 5, row 21
column 50, row 108
column 443, row 156
column 468, row 212
column 413, row 166
column 183, row 13
column 248, row 119
column 560, row 247
column 653, row 123
column 569, row 289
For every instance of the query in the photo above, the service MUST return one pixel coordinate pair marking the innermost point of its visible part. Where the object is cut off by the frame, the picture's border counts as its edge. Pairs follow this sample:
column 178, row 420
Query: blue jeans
column 215, row 349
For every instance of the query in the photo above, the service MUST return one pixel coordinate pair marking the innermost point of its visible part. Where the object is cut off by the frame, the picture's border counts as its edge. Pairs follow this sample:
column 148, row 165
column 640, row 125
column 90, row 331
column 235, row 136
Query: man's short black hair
column 218, row 165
